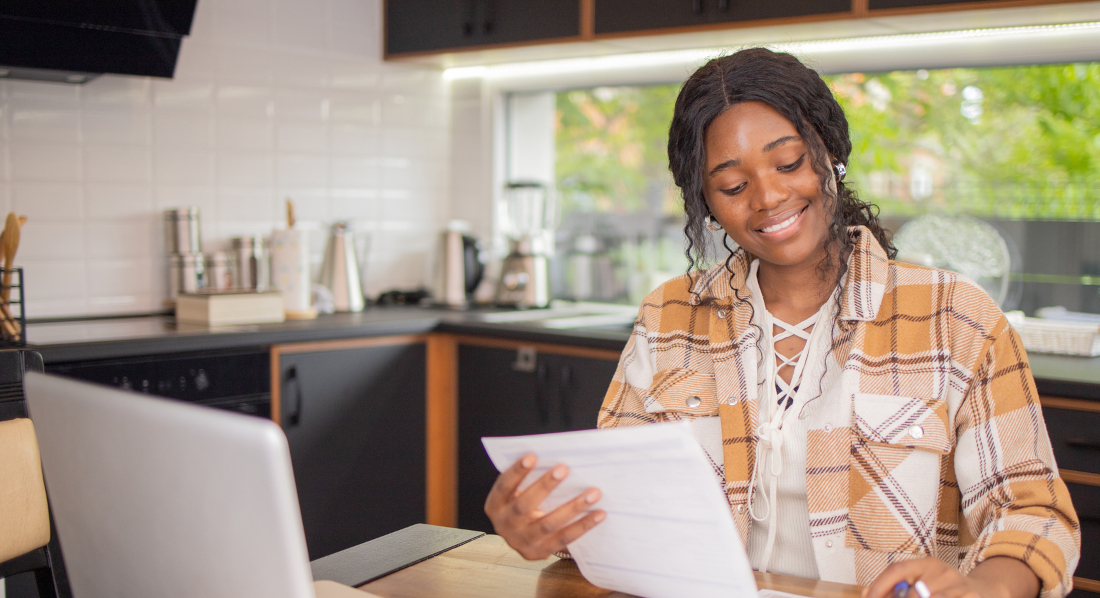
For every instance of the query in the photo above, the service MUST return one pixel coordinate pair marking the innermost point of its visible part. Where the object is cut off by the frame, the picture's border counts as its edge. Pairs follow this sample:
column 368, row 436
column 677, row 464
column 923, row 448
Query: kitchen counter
column 107, row 338
column 59, row 342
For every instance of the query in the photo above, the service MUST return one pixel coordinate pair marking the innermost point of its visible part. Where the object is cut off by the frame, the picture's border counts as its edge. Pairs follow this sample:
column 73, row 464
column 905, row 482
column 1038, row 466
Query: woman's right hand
column 517, row 518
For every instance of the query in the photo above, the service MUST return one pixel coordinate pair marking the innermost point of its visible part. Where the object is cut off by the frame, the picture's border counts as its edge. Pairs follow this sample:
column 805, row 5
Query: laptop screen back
column 153, row 497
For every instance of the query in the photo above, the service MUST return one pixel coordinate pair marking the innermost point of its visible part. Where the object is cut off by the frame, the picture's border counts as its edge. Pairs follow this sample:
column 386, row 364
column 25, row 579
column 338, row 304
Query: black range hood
column 73, row 40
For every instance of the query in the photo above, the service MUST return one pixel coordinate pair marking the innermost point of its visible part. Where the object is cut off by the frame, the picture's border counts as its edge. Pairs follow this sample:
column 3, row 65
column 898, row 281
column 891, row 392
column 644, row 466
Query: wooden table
column 487, row 567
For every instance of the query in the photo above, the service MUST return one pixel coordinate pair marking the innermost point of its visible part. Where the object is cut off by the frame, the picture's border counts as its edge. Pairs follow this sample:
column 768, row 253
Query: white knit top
column 779, row 540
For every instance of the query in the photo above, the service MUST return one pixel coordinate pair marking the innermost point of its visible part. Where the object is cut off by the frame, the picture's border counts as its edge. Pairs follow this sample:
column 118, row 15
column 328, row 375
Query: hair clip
column 840, row 171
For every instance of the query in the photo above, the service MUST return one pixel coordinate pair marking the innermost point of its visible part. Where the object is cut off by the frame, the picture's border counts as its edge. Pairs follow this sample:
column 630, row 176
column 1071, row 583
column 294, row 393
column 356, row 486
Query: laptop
column 153, row 497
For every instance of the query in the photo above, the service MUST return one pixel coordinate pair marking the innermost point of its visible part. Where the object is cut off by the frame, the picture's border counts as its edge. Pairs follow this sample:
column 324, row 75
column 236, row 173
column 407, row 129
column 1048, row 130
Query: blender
column 528, row 216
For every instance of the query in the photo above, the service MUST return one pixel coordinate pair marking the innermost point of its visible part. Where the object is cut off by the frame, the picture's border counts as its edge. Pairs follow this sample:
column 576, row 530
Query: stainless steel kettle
column 460, row 267
column 340, row 269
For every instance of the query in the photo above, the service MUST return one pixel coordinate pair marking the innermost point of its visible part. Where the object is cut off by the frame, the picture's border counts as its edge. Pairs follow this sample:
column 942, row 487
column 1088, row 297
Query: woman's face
column 761, row 188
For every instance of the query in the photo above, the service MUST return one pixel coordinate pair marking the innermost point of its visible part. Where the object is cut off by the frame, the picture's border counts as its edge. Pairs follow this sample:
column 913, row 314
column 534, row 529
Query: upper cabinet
column 885, row 4
column 426, row 30
column 414, row 26
column 621, row 16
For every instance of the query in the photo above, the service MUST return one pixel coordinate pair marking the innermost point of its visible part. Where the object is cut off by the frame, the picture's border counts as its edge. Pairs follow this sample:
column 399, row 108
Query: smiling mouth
column 784, row 224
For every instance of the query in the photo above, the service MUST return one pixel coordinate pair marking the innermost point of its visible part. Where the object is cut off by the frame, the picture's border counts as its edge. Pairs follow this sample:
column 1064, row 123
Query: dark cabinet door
column 428, row 25
column 880, row 4
column 355, row 422
column 501, row 394
column 620, row 16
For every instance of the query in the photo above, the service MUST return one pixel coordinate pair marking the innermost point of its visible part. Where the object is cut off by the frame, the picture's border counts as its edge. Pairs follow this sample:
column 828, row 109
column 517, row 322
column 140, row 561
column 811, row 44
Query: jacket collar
column 864, row 287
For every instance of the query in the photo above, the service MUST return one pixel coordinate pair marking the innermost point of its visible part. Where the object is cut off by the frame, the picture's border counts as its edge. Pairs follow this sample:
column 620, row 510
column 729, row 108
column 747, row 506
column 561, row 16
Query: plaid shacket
column 941, row 448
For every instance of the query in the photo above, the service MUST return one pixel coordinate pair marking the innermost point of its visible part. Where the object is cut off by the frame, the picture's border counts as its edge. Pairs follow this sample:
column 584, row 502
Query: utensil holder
column 13, row 316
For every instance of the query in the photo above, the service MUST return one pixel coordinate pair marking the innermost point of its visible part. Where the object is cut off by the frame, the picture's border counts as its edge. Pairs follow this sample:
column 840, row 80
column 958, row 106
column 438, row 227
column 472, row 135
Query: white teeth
column 781, row 225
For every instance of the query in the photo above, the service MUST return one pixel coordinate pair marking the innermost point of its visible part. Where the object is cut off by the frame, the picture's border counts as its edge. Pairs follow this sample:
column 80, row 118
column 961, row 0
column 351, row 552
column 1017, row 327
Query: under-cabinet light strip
column 803, row 48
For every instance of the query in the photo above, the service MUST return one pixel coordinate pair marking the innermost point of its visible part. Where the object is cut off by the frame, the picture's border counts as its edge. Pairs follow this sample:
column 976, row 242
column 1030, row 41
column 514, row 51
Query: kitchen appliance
column 234, row 379
column 252, row 266
column 340, row 269
column 529, row 215
column 460, row 266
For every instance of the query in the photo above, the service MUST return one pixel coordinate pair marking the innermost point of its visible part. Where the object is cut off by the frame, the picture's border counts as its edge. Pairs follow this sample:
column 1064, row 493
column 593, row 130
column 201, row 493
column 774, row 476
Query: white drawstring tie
column 770, row 434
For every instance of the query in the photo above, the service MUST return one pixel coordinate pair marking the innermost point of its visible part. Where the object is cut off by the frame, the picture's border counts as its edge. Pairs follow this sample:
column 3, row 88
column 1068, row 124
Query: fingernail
column 591, row 497
column 528, row 461
column 559, row 472
column 598, row 517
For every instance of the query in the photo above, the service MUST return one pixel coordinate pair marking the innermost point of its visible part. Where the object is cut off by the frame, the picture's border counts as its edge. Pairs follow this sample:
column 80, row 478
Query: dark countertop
column 85, row 340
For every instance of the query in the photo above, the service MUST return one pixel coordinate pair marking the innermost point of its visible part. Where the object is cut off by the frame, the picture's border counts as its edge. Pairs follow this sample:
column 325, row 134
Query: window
column 1010, row 156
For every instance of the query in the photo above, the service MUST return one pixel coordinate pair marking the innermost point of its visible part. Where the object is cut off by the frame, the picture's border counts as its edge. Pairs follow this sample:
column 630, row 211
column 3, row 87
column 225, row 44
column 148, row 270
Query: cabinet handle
column 295, row 415
column 565, row 395
column 697, row 6
column 541, row 401
column 469, row 23
column 489, row 24
column 1083, row 443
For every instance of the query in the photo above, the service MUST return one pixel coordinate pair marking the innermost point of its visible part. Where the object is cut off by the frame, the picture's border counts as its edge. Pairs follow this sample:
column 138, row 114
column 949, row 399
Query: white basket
column 1061, row 337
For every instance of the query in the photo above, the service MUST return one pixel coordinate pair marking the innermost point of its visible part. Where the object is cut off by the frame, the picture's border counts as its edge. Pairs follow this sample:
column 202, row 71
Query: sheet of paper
column 668, row 532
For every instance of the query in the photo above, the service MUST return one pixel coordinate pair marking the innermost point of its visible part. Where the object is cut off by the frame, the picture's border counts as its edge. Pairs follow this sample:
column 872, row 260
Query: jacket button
column 828, row 428
column 693, row 401
column 721, row 313
column 916, row 432
column 828, row 543
column 740, row 508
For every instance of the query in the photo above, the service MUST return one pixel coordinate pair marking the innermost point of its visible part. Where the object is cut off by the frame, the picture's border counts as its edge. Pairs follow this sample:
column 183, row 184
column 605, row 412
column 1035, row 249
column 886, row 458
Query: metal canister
column 181, row 230
column 219, row 271
column 252, row 265
column 186, row 273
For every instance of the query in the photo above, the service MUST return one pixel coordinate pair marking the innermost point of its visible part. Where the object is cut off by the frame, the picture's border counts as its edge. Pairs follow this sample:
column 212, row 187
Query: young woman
column 870, row 422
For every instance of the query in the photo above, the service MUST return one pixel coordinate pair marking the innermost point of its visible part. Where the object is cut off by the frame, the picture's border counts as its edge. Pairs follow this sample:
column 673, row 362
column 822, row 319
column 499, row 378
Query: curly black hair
column 798, row 93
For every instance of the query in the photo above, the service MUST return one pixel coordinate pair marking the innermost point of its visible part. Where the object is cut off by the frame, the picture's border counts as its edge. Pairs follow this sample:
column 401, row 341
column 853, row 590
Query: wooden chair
column 27, row 544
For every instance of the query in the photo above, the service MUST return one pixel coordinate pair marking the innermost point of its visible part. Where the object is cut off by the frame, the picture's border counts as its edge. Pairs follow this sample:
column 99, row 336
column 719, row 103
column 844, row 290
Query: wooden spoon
column 9, row 246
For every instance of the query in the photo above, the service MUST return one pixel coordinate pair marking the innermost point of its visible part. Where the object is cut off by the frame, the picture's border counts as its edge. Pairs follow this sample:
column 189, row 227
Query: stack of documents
column 669, row 531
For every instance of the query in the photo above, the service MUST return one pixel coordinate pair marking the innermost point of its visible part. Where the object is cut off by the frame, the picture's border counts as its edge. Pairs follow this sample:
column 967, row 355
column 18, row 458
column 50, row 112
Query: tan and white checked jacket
column 938, row 447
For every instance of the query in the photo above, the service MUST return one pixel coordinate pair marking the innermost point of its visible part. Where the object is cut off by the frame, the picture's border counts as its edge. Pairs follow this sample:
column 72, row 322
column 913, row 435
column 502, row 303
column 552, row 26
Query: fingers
column 907, row 571
column 574, row 530
column 508, row 481
column 554, row 521
column 533, row 495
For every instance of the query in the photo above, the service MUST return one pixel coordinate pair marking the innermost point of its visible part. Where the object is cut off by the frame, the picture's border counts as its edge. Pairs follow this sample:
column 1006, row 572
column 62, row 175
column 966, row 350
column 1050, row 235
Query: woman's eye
column 793, row 165
column 733, row 190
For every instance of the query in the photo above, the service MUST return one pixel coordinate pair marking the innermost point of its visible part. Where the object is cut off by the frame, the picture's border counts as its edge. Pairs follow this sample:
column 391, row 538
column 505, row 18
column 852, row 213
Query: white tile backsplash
column 32, row 161
column 271, row 98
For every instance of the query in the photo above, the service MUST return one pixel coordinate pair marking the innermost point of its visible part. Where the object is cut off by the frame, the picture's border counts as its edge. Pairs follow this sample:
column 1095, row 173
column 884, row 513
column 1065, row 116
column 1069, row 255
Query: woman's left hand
column 996, row 577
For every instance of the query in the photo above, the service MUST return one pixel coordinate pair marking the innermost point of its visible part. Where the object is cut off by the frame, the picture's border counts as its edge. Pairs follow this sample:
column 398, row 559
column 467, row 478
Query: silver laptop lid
column 153, row 497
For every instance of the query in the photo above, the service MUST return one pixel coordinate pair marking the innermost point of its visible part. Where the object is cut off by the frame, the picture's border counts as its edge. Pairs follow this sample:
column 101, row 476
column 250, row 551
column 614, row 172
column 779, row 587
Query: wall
column 271, row 98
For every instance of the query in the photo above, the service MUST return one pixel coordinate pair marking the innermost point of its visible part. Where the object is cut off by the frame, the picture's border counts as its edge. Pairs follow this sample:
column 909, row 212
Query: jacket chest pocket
column 898, row 447
column 682, row 391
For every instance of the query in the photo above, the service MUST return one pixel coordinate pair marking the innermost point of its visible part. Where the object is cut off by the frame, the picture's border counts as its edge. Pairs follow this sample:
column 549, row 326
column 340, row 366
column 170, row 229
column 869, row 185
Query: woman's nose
column 770, row 193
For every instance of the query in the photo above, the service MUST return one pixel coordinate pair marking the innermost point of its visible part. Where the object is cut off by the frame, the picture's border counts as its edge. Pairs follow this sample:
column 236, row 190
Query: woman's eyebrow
column 778, row 142
column 724, row 165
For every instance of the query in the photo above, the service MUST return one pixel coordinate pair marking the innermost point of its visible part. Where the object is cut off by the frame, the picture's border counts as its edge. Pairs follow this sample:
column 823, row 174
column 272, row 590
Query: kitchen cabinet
column 508, row 390
column 885, row 4
column 354, row 416
column 1074, row 429
column 434, row 25
column 621, row 16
